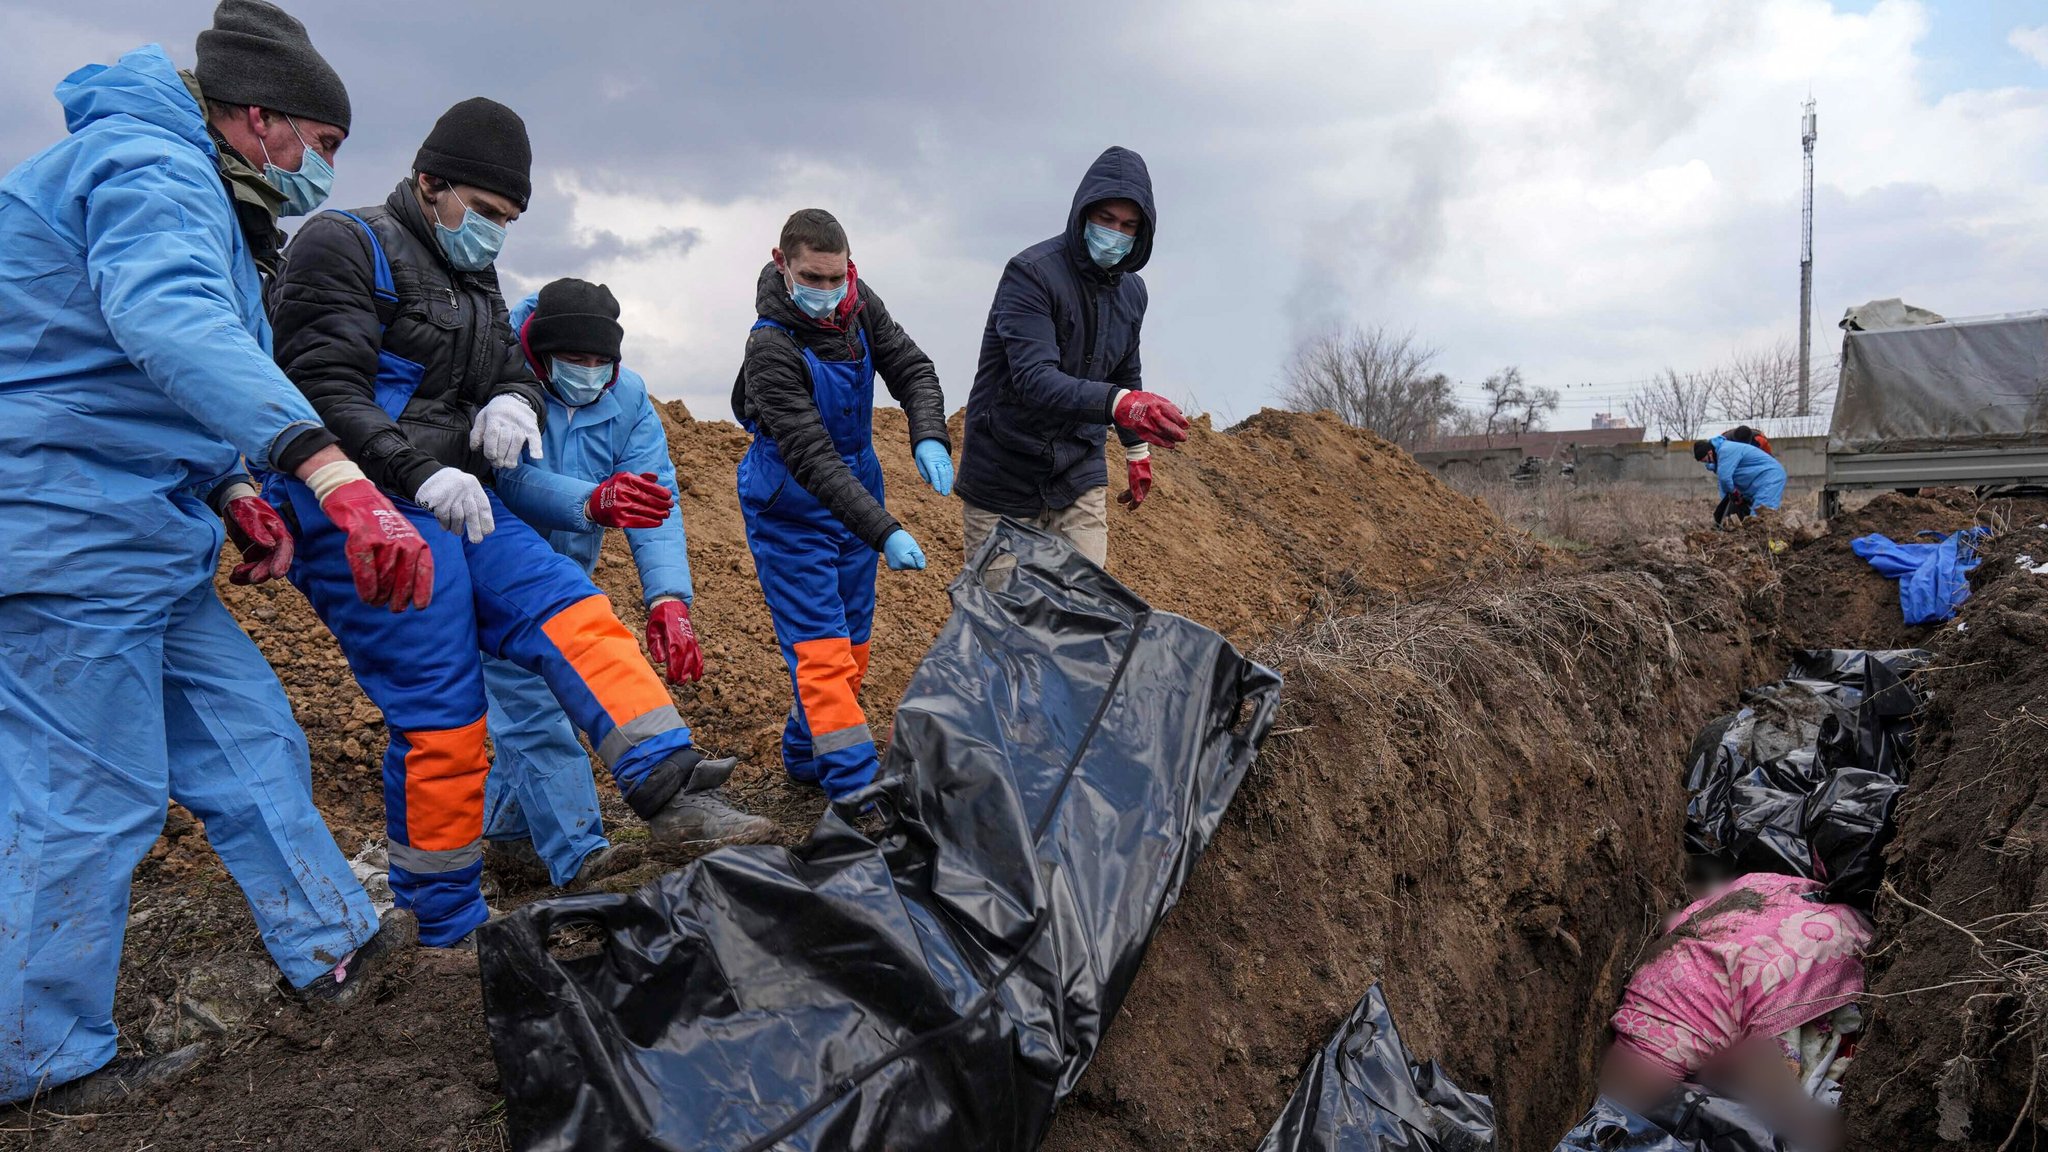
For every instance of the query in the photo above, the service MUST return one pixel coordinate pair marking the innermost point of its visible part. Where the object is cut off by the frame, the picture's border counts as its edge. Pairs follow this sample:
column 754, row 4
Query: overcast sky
column 1591, row 191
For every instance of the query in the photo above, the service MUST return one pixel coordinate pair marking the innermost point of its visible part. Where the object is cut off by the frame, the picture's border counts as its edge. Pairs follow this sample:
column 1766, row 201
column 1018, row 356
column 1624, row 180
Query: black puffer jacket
column 774, row 391
column 450, row 324
column 1061, row 340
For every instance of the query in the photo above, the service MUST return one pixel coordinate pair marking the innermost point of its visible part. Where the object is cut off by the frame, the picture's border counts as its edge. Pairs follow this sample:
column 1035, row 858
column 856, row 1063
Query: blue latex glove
column 900, row 549
column 935, row 464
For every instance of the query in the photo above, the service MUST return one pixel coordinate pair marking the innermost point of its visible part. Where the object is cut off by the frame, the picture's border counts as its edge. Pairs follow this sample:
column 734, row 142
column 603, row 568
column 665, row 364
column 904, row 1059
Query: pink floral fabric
column 1755, row 958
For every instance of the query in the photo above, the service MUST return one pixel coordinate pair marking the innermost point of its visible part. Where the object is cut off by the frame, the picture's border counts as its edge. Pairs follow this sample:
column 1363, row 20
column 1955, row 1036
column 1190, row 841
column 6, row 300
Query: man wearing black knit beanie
column 389, row 318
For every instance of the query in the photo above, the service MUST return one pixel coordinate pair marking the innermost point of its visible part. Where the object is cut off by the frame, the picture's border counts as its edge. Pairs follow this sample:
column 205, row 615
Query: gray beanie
column 256, row 54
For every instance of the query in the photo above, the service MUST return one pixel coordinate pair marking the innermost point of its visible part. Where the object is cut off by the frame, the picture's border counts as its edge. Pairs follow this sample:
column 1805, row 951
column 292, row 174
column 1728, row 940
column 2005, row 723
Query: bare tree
column 1373, row 378
column 1760, row 383
column 1512, row 405
column 1674, row 405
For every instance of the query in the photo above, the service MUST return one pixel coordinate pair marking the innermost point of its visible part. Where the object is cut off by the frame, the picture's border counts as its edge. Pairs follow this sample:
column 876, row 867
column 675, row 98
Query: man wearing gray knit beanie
column 136, row 382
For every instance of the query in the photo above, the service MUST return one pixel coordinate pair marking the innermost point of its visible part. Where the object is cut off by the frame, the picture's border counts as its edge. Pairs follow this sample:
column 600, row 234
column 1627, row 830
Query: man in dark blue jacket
column 1059, row 365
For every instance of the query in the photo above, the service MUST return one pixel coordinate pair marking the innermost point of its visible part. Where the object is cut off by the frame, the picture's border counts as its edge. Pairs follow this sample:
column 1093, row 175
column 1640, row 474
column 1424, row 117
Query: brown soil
column 1957, row 1037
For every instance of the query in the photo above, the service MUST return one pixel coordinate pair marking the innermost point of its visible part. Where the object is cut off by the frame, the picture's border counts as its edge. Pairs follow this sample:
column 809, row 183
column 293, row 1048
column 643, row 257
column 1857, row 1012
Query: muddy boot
column 683, row 808
column 397, row 932
column 701, row 819
column 605, row 863
column 516, row 864
column 111, row 1086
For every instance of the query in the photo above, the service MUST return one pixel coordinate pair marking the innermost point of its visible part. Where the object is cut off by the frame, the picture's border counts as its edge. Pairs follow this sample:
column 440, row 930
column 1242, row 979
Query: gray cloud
column 1303, row 177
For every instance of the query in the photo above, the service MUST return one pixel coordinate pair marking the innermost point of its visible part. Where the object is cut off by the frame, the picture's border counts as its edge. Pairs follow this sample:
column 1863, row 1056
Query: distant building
column 1607, row 420
column 1546, row 443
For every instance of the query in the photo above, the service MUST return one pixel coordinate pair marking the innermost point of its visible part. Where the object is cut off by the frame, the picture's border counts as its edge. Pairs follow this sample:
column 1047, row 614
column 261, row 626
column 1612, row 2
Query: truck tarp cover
column 1059, row 761
column 1364, row 1092
column 1979, row 383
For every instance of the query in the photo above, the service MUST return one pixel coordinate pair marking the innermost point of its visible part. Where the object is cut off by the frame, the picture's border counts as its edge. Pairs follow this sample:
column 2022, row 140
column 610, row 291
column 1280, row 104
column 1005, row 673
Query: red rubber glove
column 629, row 501
column 1140, row 476
column 672, row 641
column 389, row 559
column 1153, row 417
column 260, row 535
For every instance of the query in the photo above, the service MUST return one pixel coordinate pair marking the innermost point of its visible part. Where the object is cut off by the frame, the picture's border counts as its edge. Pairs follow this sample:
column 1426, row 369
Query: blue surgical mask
column 1107, row 246
column 817, row 303
column 472, row 247
column 305, row 189
column 578, row 385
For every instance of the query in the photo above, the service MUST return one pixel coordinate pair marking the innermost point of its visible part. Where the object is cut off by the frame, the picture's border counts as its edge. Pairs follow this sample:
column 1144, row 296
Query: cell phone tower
column 1808, row 133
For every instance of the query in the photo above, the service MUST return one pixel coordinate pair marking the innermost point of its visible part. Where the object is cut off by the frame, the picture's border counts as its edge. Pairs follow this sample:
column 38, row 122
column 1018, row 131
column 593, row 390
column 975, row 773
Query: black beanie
column 575, row 316
column 1700, row 448
column 482, row 143
column 256, row 54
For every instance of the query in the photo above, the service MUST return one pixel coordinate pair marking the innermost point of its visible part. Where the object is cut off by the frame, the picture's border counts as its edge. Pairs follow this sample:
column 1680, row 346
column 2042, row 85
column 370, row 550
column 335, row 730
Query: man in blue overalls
column 811, row 486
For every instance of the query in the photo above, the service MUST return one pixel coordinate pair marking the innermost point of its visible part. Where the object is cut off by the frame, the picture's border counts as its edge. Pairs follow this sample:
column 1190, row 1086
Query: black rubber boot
column 397, row 932
column 111, row 1086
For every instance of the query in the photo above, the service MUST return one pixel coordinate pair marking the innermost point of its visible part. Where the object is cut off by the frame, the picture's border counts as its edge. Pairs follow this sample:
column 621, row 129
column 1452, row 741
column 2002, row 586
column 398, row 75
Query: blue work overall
column 819, row 579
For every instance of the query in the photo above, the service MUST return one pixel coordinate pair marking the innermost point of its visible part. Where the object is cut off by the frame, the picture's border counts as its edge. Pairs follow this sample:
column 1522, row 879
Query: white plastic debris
column 373, row 869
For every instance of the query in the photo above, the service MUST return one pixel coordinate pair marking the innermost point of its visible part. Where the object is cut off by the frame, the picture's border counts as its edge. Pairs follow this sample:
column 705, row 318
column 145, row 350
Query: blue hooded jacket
column 1062, row 338
column 618, row 432
column 1749, row 470
column 134, row 356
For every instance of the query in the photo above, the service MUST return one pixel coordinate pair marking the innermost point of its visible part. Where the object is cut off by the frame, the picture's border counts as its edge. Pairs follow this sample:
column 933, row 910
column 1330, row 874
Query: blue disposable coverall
column 134, row 370
column 540, row 785
column 819, row 579
column 1750, row 471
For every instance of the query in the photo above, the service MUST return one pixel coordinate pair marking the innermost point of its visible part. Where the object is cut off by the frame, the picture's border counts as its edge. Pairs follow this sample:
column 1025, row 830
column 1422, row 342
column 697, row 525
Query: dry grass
column 1446, row 652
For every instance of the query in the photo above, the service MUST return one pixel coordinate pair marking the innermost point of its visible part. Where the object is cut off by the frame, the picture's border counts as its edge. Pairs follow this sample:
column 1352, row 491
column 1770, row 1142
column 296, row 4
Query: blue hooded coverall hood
column 1061, row 339
column 134, row 370
column 540, row 787
column 1750, row 471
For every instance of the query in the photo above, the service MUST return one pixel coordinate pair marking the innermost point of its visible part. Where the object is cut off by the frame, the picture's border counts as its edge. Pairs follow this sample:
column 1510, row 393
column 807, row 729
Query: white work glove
column 458, row 501
column 505, row 427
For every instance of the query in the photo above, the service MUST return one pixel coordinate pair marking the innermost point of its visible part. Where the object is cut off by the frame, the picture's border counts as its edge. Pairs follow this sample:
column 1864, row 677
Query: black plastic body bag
column 1364, row 1092
column 1059, row 761
column 1803, row 781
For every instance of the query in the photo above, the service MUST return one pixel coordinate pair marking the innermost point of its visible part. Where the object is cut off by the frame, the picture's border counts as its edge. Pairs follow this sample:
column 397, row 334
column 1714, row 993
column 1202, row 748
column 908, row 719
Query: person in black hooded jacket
column 1059, row 365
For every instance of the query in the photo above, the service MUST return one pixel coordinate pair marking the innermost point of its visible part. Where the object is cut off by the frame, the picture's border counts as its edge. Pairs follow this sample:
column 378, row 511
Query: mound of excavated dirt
column 1960, row 1021
column 1244, row 531
column 1472, row 799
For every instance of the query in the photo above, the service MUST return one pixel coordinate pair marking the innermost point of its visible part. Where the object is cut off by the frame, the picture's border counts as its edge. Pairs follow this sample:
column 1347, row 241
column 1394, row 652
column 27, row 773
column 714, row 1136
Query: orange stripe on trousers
column 608, row 659
column 828, row 684
column 444, row 787
column 860, row 665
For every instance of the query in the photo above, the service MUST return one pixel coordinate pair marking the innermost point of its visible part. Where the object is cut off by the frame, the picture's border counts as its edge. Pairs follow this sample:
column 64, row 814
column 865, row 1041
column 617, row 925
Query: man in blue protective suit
column 1751, row 479
column 389, row 318
column 1059, row 366
column 605, row 465
column 135, row 377
column 810, row 485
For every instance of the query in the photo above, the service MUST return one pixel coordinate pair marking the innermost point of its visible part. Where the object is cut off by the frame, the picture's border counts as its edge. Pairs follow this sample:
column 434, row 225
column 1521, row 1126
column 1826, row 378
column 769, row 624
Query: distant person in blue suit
column 1751, row 479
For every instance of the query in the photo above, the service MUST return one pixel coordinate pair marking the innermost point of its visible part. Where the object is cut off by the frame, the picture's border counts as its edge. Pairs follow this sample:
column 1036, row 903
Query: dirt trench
column 1473, row 798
